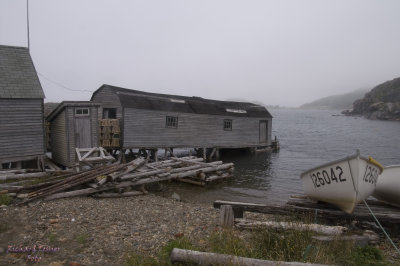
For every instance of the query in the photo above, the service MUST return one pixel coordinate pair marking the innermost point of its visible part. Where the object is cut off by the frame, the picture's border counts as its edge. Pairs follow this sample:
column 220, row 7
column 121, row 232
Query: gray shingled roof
column 18, row 77
column 64, row 104
column 176, row 103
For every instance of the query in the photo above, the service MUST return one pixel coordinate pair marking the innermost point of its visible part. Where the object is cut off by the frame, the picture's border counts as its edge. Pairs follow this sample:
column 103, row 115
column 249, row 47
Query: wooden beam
column 317, row 228
column 212, row 153
column 227, row 218
column 206, row 258
column 118, row 195
column 88, row 153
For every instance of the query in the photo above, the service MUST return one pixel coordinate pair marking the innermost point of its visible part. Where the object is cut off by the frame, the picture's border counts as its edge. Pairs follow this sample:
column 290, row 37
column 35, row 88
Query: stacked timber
column 109, row 133
column 119, row 180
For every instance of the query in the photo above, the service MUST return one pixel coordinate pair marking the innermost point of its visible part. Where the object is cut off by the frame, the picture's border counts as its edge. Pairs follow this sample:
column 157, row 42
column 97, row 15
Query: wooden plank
column 387, row 215
column 227, row 218
column 90, row 152
column 317, row 228
column 78, row 153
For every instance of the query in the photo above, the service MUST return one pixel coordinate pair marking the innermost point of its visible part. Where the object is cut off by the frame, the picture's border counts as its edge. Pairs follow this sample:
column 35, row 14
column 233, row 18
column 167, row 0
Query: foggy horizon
column 284, row 53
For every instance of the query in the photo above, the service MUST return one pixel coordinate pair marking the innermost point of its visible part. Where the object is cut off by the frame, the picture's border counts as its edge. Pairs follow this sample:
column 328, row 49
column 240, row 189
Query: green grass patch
column 182, row 243
column 269, row 244
column 134, row 259
column 5, row 199
column 52, row 238
column 82, row 238
column 360, row 256
column 3, row 228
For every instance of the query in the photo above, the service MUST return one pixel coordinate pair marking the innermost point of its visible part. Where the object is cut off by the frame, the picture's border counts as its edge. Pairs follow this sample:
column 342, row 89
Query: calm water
column 308, row 138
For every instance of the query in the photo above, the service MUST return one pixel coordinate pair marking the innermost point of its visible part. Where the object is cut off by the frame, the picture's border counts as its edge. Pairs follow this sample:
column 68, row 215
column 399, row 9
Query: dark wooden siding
column 108, row 99
column 145, row 128
column 59, row 139
column 21, row 128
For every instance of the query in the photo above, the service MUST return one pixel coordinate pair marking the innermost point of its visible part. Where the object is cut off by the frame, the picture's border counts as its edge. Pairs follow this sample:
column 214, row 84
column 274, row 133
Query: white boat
column 343, row 183
column 388, row 186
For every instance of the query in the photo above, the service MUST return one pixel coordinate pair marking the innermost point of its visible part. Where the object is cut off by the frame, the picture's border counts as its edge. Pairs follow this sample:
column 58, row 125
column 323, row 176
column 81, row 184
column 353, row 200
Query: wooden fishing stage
column 387, row 215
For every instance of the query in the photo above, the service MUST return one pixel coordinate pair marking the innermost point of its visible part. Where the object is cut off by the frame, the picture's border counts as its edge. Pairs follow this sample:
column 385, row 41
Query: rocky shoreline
column 91, row 231
column 381, row 103
column 99, row 231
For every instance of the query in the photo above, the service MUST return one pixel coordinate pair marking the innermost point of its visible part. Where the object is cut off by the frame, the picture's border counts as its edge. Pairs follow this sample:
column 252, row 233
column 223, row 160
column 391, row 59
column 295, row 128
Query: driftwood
column 71, row 194
column 197, row 183
column 207, row 258
column 226, row 216
column 22, row 176
column 117, row 177
column 317, row 228
column 119, row 195
column 218, row 177
column 388, row 216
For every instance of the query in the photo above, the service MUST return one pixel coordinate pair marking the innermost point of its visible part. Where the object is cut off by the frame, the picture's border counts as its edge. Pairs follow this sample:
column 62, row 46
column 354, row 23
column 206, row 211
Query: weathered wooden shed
column 72, row 125
column 151, row 121
column 21, row 107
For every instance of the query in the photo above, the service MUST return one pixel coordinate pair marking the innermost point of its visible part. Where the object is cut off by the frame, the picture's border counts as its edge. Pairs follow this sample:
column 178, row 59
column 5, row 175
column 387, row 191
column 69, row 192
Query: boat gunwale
column 392, row 166
column 335, row 162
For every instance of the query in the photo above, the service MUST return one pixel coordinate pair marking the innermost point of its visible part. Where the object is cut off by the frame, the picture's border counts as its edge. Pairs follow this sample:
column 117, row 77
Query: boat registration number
column 326, row 177
column 371, row 174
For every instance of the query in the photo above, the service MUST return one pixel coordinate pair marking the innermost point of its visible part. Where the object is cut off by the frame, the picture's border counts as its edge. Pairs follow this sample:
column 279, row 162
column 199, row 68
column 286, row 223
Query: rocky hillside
column 382, row 102
column 336, row 102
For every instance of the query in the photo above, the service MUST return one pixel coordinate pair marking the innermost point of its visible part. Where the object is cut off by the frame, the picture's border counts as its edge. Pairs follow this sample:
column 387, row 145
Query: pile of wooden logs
column 116, row 180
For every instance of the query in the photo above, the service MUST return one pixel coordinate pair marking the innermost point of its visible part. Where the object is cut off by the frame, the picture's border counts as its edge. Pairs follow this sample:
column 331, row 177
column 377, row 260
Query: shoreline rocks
column 102, row 231
column 382, row 102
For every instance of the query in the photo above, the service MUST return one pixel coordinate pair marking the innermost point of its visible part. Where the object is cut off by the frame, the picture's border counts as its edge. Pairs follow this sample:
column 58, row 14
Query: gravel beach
column 99, row 231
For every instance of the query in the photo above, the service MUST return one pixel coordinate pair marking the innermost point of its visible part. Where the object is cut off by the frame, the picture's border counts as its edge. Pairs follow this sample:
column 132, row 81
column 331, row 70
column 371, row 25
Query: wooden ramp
column 387, row 215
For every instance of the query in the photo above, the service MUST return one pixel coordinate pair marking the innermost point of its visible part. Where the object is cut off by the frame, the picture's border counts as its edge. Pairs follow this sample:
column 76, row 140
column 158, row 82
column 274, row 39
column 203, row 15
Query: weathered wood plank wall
column 63, row 129
column 21, row 128
column 59, row 146
column 109, row 100
column 146, row 128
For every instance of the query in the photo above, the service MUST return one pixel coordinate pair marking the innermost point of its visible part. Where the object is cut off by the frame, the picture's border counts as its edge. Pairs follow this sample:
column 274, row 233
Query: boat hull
column 388, row 186
column 343, row 183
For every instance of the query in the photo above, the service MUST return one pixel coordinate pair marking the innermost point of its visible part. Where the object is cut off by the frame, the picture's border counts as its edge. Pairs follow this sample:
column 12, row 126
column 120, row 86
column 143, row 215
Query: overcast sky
column 278, row 52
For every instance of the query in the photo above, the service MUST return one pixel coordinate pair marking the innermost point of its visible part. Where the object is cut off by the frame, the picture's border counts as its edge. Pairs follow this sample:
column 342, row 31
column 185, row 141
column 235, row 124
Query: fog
column 277, row 52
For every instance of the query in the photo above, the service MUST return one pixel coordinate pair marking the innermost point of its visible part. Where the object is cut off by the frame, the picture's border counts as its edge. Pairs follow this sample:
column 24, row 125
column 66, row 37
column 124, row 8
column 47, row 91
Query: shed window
column 228, row 124
column 171, row 121
column 109, row 113
column 82, row 111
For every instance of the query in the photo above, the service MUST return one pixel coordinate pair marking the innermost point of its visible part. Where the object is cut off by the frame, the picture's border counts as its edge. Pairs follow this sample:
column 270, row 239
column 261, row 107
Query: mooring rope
column 383, row 230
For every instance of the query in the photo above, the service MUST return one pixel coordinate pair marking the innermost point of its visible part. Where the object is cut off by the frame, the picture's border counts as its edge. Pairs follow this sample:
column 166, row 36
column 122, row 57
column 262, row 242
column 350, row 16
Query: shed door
column 263, row 131
column 82, row 132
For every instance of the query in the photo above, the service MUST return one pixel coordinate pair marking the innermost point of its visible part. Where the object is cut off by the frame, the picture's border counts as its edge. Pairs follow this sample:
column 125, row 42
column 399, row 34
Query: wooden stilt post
column 212, row 154
column 156, row 155
column 171, row 151
column 204, row 154
column 122, row 158
column 217, row 155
